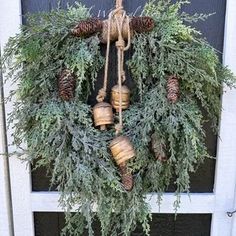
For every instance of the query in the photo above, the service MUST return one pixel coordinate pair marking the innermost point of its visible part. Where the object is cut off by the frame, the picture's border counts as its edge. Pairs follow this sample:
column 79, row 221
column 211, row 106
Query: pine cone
column 158, row 148
column 88, row 27
column 142, row 24
column 173, row 89
column 66, row 85
column 126, row 177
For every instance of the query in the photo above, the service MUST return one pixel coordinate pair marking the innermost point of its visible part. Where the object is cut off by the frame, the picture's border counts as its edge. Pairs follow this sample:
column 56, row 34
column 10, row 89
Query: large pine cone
column 173, row 89
column 88, row 27
column 158, row 148
column 66, row 85
column 126, row 177
column 142, row 24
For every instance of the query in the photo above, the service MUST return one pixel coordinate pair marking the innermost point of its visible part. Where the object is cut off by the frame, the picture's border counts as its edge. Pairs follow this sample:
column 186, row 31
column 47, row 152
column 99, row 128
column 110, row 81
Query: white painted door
column 218, row 203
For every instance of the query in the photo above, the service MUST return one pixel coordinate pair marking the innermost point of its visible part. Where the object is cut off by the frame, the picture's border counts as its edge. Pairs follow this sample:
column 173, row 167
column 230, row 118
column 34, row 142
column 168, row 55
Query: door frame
column 10, row 21
column 225, row 176
column 222, row 200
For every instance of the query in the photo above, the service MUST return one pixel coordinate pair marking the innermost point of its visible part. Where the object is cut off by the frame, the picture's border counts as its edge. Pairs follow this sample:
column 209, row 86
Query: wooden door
column 36, row 209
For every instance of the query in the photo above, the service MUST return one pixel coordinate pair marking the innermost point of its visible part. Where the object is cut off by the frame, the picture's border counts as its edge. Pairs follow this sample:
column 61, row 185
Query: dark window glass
column 50, row 224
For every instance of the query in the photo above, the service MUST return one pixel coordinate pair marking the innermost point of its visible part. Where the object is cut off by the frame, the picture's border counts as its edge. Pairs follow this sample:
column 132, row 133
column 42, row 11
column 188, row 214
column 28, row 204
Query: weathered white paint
column 4, row 228
column 234, row 217
column 195, row 203
column 225, row 180
column 4, row 166
column 10, row 20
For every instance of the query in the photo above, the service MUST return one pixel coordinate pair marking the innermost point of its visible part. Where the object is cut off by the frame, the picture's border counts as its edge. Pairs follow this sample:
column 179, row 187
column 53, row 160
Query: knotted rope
column 103, row 91
column 121, row 18
column 121, row 48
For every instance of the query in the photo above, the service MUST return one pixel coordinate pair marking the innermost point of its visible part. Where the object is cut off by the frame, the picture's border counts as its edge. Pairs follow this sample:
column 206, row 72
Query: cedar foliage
column 60, row 134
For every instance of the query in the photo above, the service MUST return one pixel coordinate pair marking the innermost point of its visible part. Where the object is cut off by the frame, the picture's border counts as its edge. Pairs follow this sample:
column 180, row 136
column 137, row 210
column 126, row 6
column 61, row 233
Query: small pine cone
column 66, row 85
column 142, row 24
column 126, row 177
column 88, row 27
column 158, row 149
column 173, row 89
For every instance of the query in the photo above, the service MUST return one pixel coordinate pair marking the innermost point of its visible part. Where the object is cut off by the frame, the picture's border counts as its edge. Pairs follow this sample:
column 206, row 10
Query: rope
column 103, row 91
column 119, row 3
column 120, row 18
column 121, row 48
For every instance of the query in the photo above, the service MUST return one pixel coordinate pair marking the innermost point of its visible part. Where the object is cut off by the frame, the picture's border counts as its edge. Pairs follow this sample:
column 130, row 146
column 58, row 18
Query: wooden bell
column 103, row 115
column 122, row 150
column 115, row 97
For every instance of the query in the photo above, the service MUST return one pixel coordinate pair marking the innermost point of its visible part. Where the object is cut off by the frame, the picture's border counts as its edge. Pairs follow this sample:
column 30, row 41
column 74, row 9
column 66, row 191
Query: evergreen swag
column 60, row 134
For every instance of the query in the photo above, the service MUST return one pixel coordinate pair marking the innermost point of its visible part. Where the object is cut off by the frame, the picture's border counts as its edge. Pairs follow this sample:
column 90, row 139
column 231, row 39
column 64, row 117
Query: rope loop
column 120, row 44
column 101, row 95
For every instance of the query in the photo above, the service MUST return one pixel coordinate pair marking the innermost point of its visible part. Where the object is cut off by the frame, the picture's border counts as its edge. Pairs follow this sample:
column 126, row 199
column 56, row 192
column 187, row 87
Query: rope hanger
column 119, row 16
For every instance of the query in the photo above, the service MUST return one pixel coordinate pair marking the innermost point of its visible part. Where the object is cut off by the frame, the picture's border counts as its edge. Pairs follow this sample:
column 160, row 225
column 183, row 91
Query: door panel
column 202, row 181
column 161, row 225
